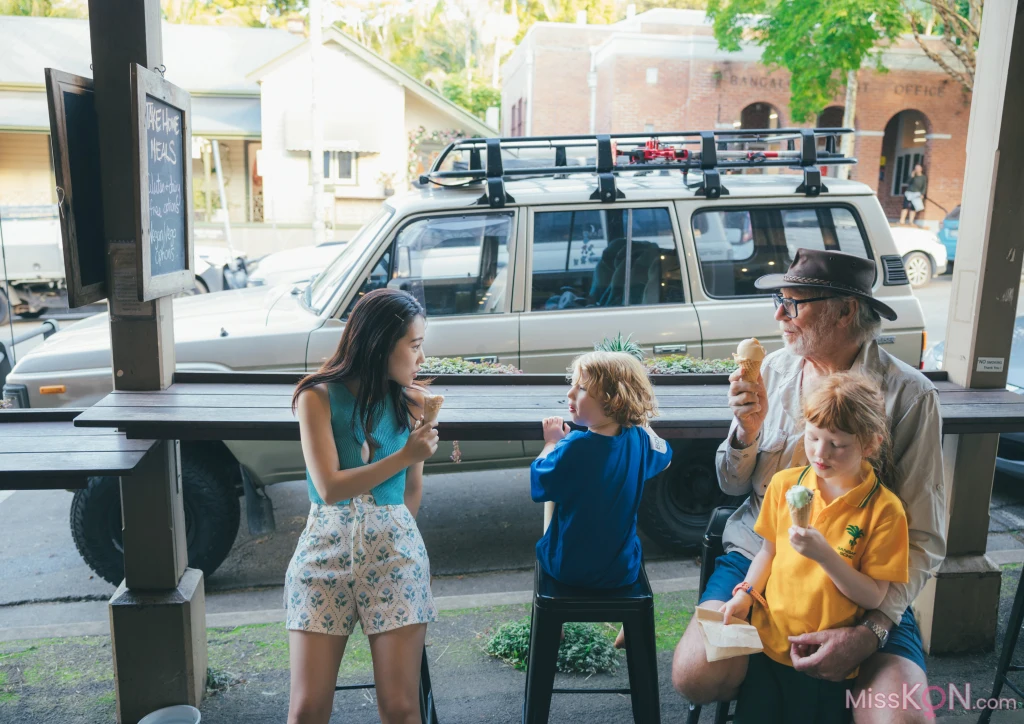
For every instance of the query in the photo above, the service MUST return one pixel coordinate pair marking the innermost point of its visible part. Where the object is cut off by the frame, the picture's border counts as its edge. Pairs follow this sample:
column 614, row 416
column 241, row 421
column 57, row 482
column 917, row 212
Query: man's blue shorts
column 730, row 569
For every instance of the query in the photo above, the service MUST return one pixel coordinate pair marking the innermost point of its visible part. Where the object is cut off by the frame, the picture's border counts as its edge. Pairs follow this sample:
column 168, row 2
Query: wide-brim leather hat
column 844, row 274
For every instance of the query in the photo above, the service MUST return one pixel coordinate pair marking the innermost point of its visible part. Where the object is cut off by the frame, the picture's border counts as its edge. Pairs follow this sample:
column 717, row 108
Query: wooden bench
column 257, row 406
column 42, row 449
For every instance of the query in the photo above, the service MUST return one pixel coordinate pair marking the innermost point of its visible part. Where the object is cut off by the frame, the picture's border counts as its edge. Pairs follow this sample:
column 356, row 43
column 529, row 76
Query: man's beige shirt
column 912, row 405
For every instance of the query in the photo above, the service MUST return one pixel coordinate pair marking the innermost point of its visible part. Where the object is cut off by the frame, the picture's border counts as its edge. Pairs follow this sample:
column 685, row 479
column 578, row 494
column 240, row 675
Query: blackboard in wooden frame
column 75, row 148
column 162, row 165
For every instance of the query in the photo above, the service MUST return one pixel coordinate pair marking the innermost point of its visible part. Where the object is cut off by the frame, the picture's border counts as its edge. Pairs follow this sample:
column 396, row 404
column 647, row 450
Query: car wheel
column 35, row 313
column 919, row 268
column 677, row 503
column 210, row 484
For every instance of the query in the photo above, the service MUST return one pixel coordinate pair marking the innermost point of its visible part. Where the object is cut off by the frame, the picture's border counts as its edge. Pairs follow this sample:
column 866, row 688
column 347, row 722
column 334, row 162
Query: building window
column 340, row 166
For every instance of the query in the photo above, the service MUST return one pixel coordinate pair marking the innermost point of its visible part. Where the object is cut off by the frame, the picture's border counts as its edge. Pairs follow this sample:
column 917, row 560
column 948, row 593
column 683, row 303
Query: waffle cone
column 432, row 408
column 749, row 368
column 801, row 516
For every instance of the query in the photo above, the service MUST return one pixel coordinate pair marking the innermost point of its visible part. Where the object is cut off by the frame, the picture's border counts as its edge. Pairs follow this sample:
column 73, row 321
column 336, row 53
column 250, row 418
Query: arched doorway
column 759, row 115
column 904, row 145
column 831, row 117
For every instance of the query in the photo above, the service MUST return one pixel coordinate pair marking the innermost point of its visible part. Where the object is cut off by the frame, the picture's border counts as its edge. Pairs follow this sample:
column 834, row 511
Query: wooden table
column 42, row 449
column 248, row 406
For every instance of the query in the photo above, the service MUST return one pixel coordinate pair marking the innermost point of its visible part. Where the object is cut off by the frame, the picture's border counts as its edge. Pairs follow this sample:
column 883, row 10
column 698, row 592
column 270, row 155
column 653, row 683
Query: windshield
column 322, row 289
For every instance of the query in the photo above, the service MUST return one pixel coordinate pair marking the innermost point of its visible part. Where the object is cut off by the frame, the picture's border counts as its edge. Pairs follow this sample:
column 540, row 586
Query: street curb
column 248, row 618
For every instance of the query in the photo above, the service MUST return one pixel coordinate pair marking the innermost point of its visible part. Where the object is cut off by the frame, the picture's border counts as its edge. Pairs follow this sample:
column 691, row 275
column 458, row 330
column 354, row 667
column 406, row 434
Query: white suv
column 532, row 282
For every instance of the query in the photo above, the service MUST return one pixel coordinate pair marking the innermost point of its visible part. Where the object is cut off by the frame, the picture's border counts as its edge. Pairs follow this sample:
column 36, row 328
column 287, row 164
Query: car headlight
column 16, row 396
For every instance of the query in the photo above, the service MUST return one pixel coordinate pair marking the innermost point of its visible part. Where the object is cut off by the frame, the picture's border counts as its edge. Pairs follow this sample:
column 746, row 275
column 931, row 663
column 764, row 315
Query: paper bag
column 725, row 642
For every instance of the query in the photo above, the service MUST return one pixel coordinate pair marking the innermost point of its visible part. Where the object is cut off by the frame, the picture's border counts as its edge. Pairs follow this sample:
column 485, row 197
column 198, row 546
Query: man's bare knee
column 700, row 681
column 887, row 675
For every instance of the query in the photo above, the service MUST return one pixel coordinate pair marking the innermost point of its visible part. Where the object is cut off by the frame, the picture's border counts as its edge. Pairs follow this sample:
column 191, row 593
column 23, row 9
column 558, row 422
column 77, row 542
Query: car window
column 321, row 290
column 451, row 264
column 736, row 246
column 379, row 276
column 581, row 259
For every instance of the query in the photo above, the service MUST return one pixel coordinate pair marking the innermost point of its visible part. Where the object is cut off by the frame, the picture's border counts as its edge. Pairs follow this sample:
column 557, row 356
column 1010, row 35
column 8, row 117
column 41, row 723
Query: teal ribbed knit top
column 349, row 439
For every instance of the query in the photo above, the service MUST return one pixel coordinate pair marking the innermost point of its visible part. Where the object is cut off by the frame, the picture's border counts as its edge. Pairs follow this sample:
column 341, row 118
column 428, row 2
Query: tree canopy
column 817, row 41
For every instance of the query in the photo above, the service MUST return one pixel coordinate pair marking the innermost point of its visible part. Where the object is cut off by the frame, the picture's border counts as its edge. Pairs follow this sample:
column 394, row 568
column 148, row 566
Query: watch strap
column 879, row 631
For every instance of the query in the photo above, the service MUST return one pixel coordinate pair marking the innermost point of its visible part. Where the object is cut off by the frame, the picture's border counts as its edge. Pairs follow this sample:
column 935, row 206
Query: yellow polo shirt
column 866, row 526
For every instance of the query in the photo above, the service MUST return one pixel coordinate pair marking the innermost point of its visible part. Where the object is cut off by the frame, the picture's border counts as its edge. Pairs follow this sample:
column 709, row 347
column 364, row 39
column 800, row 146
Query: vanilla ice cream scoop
column 750, row 349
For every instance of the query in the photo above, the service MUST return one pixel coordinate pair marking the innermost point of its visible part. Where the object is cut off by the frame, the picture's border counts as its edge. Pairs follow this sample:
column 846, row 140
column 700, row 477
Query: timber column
column 958, row 607
column 158, row 613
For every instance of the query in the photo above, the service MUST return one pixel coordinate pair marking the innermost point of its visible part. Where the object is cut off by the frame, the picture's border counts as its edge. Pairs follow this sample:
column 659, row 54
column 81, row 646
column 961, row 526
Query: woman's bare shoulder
column 314, row 398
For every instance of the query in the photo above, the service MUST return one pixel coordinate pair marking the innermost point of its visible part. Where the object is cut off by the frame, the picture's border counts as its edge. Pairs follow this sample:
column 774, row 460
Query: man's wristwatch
column 879, row 631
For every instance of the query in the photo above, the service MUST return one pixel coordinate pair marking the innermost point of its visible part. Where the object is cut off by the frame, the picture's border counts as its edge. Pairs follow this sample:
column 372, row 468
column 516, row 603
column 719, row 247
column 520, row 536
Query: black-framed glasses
column 790, row 306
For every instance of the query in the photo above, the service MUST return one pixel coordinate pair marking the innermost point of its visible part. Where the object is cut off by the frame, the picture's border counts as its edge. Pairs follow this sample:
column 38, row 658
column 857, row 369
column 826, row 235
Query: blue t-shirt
column 596, row 482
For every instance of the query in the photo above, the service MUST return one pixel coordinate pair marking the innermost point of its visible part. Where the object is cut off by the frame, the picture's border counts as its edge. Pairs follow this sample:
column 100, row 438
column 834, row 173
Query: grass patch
column 1012, row 566
column 258, row 648
column 8, row 698
column 672, row 613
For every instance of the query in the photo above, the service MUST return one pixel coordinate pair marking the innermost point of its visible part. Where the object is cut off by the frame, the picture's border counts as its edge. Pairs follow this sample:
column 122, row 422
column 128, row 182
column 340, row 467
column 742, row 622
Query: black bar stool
column 711, row 549
column 1006, row 665
column 428, row 714
column 554, row 604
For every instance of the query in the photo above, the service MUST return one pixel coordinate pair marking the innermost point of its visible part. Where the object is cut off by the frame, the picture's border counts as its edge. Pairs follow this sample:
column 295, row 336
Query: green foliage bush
column 618, row 344
column 585, row 649
column 684, row 364
column 459, row 366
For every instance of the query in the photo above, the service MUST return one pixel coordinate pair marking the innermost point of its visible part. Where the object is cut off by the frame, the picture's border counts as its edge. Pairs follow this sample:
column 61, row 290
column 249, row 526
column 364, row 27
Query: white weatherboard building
column 250, row 91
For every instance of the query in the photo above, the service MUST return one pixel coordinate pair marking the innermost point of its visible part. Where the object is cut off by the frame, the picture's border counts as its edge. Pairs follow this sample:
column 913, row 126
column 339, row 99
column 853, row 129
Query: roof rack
column 708, row 152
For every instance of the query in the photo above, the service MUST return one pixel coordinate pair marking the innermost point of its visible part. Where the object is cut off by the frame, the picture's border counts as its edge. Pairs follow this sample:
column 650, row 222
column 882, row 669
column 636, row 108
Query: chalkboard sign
column 161, row 119
column 75, row 147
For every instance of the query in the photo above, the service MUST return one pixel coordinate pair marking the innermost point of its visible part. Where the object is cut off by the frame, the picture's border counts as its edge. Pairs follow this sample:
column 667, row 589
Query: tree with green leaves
column 820, row 42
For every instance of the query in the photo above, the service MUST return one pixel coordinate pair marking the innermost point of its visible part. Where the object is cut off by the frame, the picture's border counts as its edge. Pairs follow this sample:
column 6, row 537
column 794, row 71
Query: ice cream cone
column 749, row 368
column 801, row 516
column 431, row 408
column 749, row 355
column 799, row 498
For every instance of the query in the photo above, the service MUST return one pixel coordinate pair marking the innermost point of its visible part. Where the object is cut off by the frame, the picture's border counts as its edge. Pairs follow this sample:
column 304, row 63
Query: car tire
column 919, row 268
column 34, row 314
column 211, row 482
column 677, row 503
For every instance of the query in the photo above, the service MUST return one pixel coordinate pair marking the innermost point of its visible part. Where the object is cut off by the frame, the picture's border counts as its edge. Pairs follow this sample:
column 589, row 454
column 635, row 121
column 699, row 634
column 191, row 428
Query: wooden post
column 958, row 608
column 157, row 615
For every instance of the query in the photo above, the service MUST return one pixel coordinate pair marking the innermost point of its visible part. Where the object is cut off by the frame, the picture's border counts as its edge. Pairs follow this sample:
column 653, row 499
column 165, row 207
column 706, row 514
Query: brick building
column 663, row 71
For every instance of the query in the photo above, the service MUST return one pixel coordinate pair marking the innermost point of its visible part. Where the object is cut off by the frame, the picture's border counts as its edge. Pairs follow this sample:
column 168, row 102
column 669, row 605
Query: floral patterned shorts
column 359, row 561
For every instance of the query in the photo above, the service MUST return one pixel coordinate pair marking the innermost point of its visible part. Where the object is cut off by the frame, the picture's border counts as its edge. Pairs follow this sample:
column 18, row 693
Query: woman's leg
column 903, row 216
column 913, row 215
column 315, row 658
column 396, row 672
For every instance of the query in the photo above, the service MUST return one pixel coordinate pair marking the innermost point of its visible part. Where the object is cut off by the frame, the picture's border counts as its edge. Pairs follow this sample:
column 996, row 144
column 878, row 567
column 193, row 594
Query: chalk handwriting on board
column 166, row 186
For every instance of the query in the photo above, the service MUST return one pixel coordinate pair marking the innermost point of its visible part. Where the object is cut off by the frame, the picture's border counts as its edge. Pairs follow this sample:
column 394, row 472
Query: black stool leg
column 541, row 664
column 693, row 714
column 722, row 712
column 1009, row 646
column 642, row 660
column 428, row 714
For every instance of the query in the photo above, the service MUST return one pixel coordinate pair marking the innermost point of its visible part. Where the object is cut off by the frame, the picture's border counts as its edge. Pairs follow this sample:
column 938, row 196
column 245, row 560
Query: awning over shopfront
column 355, row 133
column 212, row 116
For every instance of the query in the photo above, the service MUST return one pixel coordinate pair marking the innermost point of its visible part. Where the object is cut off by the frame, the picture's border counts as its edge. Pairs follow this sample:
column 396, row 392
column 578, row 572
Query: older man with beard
column 829, row 322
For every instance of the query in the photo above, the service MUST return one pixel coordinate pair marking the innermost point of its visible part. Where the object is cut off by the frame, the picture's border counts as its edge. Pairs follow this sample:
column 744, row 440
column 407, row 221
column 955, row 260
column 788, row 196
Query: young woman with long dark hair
column 361, row 557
